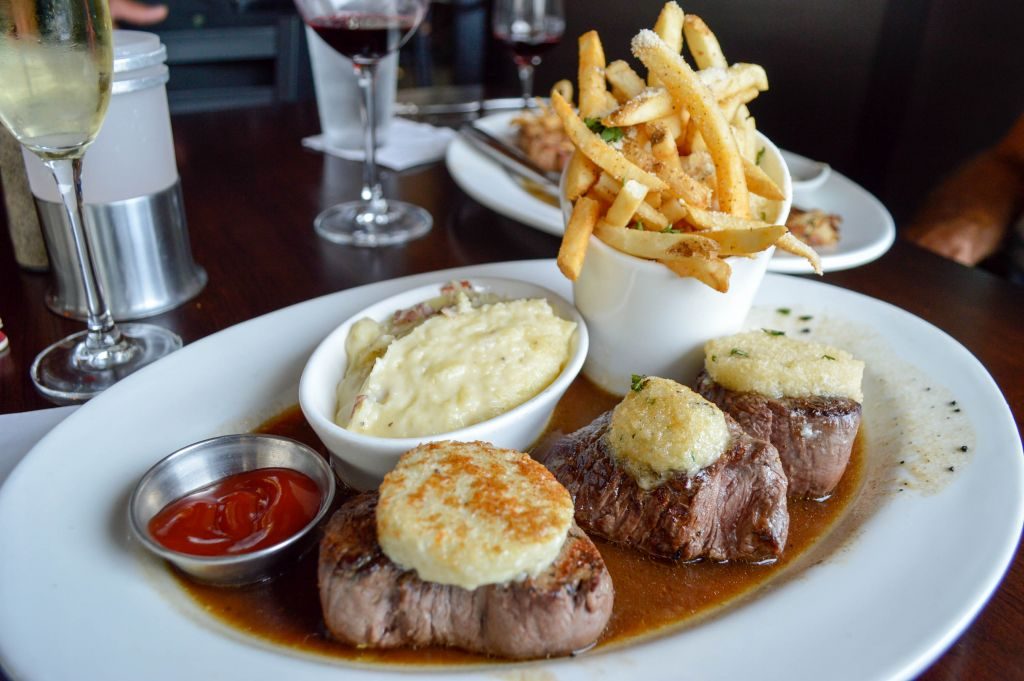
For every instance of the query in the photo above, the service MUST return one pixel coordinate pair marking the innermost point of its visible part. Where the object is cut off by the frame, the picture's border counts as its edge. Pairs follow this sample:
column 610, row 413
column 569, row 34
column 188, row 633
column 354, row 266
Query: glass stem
column 372, row 194
column 526, row 83
column 103, row 343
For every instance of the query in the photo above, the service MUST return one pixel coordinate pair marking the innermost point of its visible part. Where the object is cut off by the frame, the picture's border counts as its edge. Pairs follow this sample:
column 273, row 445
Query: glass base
column 61, row 376
column 349, row 223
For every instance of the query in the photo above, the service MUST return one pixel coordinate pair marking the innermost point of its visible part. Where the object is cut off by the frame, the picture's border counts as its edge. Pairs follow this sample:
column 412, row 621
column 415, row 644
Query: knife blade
column 510, row 158
column 474, row 106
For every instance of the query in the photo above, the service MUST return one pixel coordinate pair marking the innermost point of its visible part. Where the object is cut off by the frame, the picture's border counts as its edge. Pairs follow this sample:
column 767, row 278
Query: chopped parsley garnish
column 637, row 383
column 671, row 230
column 736, row 352
column 609, row 135
column 828, row 357
column 764, row 217
column 774, row 332
column 760, row 154
column 636, row 224
column 805, row 317
column 783, row 310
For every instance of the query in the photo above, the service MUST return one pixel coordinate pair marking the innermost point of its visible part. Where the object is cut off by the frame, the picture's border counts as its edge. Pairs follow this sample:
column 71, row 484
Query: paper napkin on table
column 20, row 432
column 409, row 144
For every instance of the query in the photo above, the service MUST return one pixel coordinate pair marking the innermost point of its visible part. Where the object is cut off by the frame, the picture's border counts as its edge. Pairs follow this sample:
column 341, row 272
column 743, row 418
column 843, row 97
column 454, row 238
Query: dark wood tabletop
column 251, row 193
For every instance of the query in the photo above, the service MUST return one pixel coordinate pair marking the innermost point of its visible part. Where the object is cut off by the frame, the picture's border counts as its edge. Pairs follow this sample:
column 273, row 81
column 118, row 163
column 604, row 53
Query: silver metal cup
column 141, row 252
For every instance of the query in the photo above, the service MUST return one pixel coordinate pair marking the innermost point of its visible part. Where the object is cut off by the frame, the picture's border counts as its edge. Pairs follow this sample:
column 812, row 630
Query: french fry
column 580, row 175
column 704, row 47
column 724, row 83
column 674, row 123
column 594, row 148
column 681, row 81
column 710, row 271
column 620, row 213
column 673, row 210
column 577, row 233
column 607, row 188
column 759, row 183
column 712, row 219
column 744, row 241
column 654, row 245
column 593, row 99
column 669, row 28
column 564, row 88
column 668, row 167
column 791, row 244
column 649, row 105
column 731, row 105
column 636, row 148
column 625, row 82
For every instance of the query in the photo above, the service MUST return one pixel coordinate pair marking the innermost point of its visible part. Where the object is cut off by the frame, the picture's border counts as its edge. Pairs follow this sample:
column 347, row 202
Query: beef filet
column 734, row 509
column 814, row 435
column 368, row 600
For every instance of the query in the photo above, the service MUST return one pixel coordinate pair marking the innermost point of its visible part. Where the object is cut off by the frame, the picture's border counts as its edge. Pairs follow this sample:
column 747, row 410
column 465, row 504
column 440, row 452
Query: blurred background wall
column 894, row 93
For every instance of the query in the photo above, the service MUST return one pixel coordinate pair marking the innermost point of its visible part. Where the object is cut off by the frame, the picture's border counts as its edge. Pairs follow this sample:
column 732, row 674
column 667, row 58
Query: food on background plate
column 448, row 363
column 668, row 473
column 803, row 397
column 814, row 227
column 541, row 137
column 464, row 545
column 672, row 155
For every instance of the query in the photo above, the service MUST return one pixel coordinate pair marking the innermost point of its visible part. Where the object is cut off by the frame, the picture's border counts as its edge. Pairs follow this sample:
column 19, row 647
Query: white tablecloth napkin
column 409, row 144
column 20, row 432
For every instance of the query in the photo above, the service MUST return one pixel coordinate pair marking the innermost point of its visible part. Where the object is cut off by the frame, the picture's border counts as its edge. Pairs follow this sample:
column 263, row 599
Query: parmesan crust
column 470, row 514
column 662, row 427
column 772, row 364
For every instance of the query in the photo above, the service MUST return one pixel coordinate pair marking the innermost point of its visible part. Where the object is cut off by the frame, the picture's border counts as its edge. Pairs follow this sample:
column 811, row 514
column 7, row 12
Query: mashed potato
column 437, row 369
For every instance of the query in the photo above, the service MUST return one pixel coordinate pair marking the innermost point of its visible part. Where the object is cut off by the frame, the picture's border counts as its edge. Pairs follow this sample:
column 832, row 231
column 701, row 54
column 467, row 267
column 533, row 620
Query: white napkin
column 20, row 432
column 409, row 144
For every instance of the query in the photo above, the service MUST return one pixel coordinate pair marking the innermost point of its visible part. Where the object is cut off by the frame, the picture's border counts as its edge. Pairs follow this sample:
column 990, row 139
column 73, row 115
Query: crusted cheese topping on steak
column 772, row 364
column 470, row 514
column 661, row 428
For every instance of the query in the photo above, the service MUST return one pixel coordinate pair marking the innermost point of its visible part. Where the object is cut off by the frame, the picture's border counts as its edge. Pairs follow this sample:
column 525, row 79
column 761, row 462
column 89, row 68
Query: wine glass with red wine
column 529, row 28
column 366, row 31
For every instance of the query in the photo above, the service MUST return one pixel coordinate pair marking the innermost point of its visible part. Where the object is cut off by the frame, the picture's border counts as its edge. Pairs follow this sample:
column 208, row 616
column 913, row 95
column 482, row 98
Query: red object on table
column 239, row 514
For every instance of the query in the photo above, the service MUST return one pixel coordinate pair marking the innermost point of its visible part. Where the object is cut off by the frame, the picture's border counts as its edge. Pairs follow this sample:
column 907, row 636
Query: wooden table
column 251, row 193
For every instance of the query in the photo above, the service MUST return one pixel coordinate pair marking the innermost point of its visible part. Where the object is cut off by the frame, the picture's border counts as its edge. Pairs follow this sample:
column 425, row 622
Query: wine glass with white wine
column 56, row 59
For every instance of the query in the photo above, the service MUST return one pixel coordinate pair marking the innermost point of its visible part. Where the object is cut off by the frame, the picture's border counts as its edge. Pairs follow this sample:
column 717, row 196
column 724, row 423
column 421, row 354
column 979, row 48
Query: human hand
column 963, row 238
column 137, row 13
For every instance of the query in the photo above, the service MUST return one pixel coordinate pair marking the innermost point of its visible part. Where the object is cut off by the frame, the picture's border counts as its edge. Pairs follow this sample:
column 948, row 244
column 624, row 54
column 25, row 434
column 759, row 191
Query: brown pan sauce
column 650, row 594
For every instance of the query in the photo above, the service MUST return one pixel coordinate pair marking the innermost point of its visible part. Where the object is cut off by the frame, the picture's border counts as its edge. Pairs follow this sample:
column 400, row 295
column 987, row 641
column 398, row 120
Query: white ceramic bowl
column 643, row 319
column 363, row 460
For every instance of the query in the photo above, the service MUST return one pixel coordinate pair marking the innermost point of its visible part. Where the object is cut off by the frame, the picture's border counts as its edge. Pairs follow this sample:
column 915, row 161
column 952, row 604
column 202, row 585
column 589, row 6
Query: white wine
column 56, row 60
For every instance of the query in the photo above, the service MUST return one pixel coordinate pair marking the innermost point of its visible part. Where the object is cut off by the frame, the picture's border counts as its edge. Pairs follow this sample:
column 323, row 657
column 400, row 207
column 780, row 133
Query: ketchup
column 238, row 514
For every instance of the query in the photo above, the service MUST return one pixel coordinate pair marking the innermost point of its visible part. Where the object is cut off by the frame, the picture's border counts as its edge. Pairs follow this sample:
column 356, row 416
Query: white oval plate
column 865, row 234
column 867, row 230
column 491, row 185
column 80, row 600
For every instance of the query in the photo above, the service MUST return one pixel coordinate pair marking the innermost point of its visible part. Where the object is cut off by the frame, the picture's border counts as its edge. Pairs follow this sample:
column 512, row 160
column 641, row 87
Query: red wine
column 528, row 46
column 523, row 51
column 363, row 37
